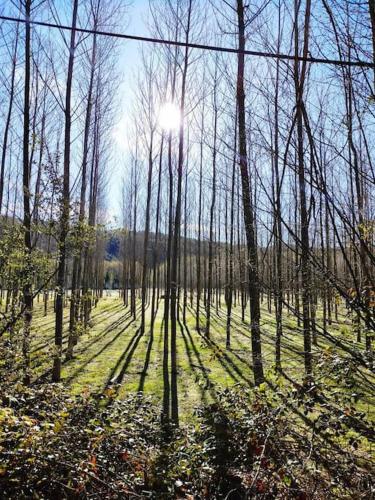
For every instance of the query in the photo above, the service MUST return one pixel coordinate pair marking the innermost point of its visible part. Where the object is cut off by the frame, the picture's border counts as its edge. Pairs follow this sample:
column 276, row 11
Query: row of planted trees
column 264, row 197
column 60, row 93
column 261, row 195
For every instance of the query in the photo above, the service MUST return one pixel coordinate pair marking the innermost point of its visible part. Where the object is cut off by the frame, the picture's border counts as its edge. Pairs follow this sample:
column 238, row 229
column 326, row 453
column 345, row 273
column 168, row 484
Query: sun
column 169, row 116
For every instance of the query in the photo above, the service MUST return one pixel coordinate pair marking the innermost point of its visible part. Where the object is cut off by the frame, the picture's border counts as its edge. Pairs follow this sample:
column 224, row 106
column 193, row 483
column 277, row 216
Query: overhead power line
column 199, row 46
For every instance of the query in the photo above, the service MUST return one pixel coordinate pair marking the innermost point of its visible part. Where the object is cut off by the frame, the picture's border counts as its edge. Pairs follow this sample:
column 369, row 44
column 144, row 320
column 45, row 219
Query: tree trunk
column 65, row 209
column 27, row 286
column 253, row 285
column 299, row 78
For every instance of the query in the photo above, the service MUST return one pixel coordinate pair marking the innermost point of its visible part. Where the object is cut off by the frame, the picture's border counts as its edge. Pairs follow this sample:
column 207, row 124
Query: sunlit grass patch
column 113, row 355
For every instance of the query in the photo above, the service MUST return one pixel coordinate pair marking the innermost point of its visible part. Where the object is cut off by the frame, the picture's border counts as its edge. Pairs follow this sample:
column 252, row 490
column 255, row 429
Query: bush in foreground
column 53, row 445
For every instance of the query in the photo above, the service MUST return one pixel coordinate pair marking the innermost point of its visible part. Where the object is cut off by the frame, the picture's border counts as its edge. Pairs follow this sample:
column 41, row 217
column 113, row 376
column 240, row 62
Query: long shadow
column 128, row 353
column 129, row 357
column 106, row 346
column 229, row 366
column 193, row 312
column 44, row 322
column 362, row 379
column 49, row 342
column 160, row 339
column 200, row 369
column 288, row 341
column 368, row 432
column 166, row 382
column 237, row 322
column 107, row 312
column 226, row 362
column 234, row 328
column 147, row 362
column 345, row 345
column 238, row 326
column 174, row 378
column 108, row 329
column 149, row 349
column 42, row 356
column 223, row 358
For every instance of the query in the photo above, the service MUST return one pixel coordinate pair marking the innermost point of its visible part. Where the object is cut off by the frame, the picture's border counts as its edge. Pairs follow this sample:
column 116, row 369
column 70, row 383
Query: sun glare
column 169, row 116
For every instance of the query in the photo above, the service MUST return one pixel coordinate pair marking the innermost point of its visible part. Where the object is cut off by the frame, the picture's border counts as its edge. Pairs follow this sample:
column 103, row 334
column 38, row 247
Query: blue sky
column 128, row 64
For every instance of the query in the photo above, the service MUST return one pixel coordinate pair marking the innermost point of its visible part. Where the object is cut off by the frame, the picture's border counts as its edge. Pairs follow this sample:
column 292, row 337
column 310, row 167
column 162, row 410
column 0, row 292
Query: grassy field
column 113, row 355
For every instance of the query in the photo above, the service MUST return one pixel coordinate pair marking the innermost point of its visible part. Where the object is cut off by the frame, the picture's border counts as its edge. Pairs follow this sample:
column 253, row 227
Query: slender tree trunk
column 146, row 235
column 253, row 285
column 212, row 215
column 277, row 221
column 40, row 166
column 134, row 239
column 305, row 246
column 9, row 113
column 27, row 286
column 199, row 242
column 56, row 373
column 77, row 261
column 184, row 306
column 155, row 253
column 229, row 298
column 176, row 237
column 371, row 7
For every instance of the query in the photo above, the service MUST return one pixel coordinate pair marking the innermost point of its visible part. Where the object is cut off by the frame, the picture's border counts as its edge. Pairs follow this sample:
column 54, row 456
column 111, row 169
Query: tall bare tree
column 65, row 203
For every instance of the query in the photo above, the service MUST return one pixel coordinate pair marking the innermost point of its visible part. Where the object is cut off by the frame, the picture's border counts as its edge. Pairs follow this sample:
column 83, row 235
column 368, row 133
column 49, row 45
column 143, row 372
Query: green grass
column 112, row 354
column 113, row 359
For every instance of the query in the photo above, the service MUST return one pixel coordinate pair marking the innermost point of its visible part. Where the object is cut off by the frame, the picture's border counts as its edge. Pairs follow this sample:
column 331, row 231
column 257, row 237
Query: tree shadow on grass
column 125, row 358
column 99, row 316
column 237, row 328
column 226, row 362
column 108, row 330
column 38, row 347
column 200, row 370
column 147, row 362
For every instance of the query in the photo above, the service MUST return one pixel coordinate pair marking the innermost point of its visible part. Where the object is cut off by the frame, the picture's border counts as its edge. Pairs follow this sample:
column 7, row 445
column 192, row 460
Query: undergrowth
column 247, row 444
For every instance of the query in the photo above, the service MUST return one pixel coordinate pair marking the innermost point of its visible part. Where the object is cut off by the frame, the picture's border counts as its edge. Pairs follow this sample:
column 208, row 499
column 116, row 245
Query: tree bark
column 65, row 208
column 27, row 286
column 248, row 213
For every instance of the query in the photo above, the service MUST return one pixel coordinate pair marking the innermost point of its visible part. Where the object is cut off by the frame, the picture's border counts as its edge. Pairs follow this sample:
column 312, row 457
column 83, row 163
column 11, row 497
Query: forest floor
column 114, row 356
column 99, row 434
